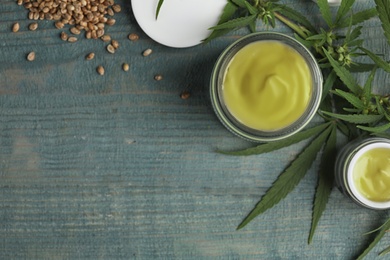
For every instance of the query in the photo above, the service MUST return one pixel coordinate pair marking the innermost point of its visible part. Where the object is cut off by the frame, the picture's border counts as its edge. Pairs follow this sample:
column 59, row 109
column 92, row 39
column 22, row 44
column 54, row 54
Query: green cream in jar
column 362, row 172
column 267, row 85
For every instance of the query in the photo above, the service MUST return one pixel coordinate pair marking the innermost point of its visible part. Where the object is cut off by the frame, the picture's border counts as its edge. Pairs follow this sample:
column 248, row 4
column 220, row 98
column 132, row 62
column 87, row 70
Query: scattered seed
column 147, row 52
column 125, row 67
column 33, row 26
column 116, row 8
column 20, row 2
column 115, row 44
column 158, row 77
column 100, row 25
column 94, row 35
column 110, row 21
column 133, row 37
column 111, row 49
column 185, row 94
column 45, row 10
column 100, row 70
column 15, row 27
column 90, row 56
column 106, row 38
column 100, row 33
column 110, row 12
column 31, row 56
column 75, row 31
column 59, row 25
column 72, row 39
column 49, row 16
column 64, row 36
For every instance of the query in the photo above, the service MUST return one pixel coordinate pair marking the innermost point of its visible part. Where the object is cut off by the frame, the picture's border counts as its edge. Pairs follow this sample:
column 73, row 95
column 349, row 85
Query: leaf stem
column 298, row 29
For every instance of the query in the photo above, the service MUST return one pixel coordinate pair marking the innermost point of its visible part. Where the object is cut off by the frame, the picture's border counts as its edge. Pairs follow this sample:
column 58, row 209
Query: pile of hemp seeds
column 88, row 17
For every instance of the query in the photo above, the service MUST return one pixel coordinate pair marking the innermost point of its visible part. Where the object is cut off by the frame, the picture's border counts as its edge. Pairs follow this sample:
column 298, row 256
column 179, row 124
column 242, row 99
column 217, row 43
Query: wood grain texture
column 120, row 167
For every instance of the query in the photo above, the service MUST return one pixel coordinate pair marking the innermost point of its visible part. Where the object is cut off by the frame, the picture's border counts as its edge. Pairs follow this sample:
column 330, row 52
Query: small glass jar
column 347, row 161
column 235, row 125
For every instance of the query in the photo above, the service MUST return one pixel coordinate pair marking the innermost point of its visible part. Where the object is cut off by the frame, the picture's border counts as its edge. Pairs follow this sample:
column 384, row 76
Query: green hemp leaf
column 325, row 181
column 291, row 176
column 272, row 146
column 383, row 8
column 160, row 3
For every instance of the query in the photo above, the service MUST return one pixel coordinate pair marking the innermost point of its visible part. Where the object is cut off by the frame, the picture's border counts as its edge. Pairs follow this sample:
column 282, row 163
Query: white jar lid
column 332, row 2
column 181, row 23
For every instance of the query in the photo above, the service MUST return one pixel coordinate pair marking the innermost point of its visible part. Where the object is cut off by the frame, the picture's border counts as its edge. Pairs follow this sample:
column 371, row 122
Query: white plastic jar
column 332, row 2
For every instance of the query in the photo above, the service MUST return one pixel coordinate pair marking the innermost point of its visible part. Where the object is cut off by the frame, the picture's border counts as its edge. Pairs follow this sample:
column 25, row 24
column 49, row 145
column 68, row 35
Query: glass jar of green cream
column 362, row 172
column 265, row 87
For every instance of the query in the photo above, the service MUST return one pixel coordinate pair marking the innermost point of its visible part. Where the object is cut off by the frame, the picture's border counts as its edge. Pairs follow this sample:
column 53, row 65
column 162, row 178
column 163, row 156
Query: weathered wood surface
column 120, row 167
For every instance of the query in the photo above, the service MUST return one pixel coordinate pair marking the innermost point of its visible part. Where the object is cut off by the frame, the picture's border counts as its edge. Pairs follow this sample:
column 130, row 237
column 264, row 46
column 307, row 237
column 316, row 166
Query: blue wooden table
column 121, row 167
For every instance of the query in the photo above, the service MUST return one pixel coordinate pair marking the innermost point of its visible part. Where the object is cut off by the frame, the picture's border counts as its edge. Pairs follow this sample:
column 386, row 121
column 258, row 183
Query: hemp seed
column 15, row 27
column 72, row 39
column 111, row 49
column 133, row 37
column 75, row 31
column 147, row 52
column 185, row 94
column 110, row 21
column 125, row 67
column 116, row 8
column 31, row 56
column 33, row 26
column 115, row 44
column 100, row 70
column 106, row 38
column 64, row 36
column 99, row 33
column 59, row 25
column 110, row 12
column 158, row 77
column 90, row 56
